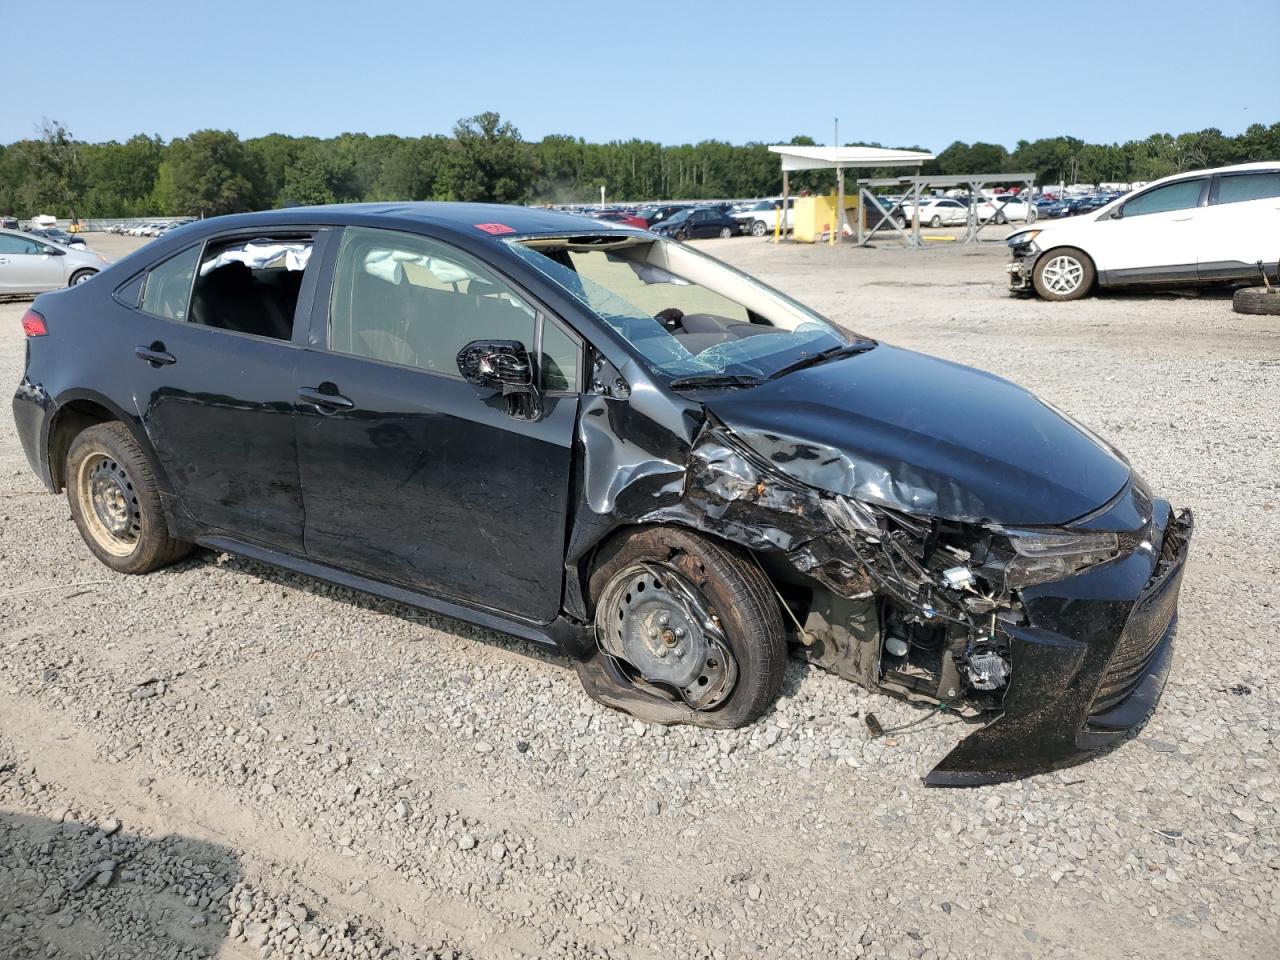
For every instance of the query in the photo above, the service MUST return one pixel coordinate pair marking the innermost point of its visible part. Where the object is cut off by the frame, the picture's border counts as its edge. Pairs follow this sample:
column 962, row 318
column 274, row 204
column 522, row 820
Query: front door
column 217, row 387
column 26, row 267
column 1154, row 238
column 412, row 475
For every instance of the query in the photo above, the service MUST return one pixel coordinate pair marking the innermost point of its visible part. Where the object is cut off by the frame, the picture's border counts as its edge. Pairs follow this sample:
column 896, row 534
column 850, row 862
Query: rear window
column 1249, row 186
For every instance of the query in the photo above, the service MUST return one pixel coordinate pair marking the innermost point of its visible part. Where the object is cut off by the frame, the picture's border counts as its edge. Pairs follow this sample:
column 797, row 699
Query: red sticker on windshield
column 495, row 228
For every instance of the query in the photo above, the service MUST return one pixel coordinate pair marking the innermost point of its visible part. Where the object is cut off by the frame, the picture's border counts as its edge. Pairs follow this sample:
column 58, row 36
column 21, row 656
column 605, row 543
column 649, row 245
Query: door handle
column 1181, row 219
column 155, row 355
column 325, row 402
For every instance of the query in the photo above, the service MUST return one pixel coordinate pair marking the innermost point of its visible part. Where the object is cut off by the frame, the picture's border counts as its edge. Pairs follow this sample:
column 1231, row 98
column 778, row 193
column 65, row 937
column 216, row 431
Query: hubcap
column 656, row 621
column 109, row 504
column 1062, row 275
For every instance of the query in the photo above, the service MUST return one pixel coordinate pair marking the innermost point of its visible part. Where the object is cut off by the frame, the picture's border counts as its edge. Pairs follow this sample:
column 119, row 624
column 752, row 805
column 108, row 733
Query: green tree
column 212, row 173
column 309, row 180
column 488, row 162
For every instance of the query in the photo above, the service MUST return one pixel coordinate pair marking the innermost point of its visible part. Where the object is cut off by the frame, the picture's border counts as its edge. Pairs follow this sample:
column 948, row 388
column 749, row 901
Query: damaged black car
column 607, row 442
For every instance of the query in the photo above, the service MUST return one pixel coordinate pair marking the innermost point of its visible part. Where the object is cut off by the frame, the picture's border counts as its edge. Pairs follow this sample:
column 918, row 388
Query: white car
column 1006, row 209
column 760, row 217
column 935, row 212
column 1202, row 227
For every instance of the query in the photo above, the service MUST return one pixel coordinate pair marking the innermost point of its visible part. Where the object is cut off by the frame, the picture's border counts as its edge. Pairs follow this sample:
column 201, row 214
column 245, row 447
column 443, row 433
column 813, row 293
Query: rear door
column 215, row 374
column 411, row 475
column 1240, row 226
column 1154, row 239
column 27, row 267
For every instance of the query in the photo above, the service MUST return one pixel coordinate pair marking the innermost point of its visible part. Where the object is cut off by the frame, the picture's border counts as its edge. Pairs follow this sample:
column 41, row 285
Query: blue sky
column 931, row 72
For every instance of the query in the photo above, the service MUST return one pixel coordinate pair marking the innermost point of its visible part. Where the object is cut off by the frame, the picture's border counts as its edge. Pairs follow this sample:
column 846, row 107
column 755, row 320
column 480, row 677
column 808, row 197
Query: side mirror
column 503, row 365
column 54, row 251
column 1117, row 213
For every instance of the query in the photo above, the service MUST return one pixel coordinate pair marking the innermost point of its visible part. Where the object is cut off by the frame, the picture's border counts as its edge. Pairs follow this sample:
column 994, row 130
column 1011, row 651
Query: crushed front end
column 1056, row 640
column 1023, row 253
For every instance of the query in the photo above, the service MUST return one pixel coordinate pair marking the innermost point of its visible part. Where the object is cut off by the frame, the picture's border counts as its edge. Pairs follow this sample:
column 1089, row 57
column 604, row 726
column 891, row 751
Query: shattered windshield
column 686, row 314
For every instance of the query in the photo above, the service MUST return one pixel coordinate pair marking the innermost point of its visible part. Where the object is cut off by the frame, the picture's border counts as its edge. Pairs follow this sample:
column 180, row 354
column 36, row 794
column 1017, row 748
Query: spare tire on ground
column 1257, row 300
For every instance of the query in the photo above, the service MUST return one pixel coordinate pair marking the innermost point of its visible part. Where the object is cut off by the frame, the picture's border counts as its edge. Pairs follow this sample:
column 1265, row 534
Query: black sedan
column 698, row 223
column 610, row 443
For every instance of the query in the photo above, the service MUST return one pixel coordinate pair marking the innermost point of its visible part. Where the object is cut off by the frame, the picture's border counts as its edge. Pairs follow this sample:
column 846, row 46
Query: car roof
column 468, row 217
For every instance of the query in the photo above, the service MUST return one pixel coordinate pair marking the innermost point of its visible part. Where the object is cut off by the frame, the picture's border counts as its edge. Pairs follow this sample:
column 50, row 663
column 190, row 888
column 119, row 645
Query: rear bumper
column 1088, row 671
column 32, row 407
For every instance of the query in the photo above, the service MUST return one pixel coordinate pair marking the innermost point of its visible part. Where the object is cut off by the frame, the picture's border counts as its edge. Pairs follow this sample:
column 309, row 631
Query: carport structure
column 840, row 159
column 915, row 189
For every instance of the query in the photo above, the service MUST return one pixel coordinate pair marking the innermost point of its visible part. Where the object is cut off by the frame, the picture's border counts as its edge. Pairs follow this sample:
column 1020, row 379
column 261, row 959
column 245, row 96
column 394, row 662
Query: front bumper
column 1088, row 668
column 1020, row 269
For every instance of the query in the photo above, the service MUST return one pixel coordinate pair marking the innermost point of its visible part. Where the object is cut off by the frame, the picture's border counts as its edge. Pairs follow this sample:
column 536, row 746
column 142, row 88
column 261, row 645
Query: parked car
column 760, row 218
column 32, row 264
column 656, row 214
column 619, row 216
column 601, row 440
column 58, row 236
column 696, row 223
column 8, row 223
column 1201, row 227
column 935, row 211
column 1006, row 209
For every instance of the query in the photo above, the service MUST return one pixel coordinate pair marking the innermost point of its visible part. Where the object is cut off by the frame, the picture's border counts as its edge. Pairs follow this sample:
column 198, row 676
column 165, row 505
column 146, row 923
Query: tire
column 936, row 221
column 80, row 276
column 681, row 236
column 1001, row 219
column 759, row 228
column 1063, row 273
column 1257, row 301
column 736, row 590
column 725, row 233
column 107, row 461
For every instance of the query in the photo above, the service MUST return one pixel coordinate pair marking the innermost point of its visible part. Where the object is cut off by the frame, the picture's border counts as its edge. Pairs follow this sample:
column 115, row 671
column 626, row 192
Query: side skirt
column 560, row 634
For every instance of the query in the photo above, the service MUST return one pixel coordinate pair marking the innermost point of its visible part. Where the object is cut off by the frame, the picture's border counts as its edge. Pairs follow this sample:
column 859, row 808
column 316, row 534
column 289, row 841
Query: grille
column 1147, row 625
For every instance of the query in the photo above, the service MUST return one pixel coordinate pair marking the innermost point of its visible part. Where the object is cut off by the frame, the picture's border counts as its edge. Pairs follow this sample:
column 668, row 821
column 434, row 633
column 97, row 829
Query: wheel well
column 72, row 418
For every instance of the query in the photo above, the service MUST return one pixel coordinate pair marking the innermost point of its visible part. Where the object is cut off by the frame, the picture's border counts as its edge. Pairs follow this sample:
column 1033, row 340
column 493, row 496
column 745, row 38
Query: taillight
column 33, row 324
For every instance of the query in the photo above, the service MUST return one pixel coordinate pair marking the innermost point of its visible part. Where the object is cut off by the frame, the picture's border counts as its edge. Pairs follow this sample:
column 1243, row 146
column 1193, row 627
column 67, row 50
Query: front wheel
column 115, row 502
column 681, row 236
column 759, row 228
column 1063, row 274
column 725, row 233
column 688, row 631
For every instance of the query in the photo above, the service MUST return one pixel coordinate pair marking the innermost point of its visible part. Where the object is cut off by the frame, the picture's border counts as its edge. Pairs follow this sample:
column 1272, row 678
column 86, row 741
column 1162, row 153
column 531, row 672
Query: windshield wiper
column 822, row 356
column 714, row 380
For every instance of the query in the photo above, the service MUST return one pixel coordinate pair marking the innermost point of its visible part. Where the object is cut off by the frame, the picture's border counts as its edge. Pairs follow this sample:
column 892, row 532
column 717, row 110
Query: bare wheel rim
column 659, row 624
column 109, row 504
column 83, row 278
column 1062, row 275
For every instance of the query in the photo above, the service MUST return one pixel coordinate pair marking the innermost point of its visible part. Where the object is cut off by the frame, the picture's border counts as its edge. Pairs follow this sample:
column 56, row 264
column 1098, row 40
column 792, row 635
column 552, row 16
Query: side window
column 1248, row 186
column 11, row 244
column 168, row 286
column 407, row 299
column 559, row 359
column 251, row 285
column 1182, row 195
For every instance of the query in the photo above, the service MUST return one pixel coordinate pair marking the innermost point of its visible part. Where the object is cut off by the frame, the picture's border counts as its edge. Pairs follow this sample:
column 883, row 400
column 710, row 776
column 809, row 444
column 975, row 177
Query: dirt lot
column 233, row 761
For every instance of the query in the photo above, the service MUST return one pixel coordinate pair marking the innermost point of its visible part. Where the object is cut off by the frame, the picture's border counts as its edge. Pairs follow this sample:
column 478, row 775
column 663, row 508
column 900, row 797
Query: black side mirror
column 503, row 365
column 1117, row 213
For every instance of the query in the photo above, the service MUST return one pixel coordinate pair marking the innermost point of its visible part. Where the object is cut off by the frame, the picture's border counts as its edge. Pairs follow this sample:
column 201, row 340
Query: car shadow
column 72, row 889
column 1214, row 293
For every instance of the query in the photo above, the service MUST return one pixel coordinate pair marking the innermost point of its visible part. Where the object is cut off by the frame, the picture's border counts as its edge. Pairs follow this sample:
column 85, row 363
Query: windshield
column 686, row 314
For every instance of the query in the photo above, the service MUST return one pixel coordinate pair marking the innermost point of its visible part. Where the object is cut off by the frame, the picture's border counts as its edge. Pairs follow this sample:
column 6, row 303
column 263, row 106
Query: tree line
column 214, row 172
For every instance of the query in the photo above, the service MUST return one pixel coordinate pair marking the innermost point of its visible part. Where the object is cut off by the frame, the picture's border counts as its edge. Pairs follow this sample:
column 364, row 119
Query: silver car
column 30, row 264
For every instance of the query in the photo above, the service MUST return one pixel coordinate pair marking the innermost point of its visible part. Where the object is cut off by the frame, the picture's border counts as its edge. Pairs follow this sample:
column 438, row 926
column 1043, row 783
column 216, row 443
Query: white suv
column 1202, row 227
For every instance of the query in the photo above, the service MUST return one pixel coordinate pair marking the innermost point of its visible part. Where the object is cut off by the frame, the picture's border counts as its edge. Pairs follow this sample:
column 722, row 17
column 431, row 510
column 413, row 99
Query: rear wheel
column 115, row 501
column 936, row 221
column 1257, row 300
column 80, row 276
column 689, row 631
column 1063, row 274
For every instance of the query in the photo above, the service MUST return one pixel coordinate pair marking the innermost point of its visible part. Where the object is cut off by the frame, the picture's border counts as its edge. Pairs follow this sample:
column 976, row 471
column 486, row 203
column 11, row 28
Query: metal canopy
column 915, row 189
column 838, row 159
column 834, row 158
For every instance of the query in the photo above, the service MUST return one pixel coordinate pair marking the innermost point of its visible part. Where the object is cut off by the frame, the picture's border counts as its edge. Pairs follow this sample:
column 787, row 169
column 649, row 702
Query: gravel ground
column 296, row 770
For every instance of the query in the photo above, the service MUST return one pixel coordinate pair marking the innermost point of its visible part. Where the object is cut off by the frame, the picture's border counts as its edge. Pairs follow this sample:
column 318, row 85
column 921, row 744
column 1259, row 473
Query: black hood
column 915, row 433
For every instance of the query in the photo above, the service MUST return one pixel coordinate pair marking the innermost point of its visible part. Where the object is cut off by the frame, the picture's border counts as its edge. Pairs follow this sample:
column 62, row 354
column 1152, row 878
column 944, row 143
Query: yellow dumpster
column 815, row 216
